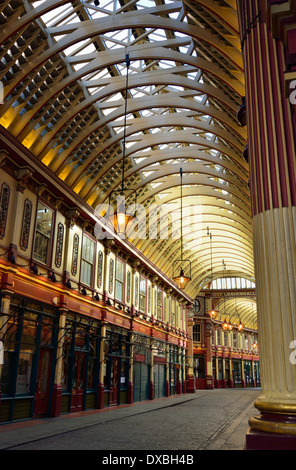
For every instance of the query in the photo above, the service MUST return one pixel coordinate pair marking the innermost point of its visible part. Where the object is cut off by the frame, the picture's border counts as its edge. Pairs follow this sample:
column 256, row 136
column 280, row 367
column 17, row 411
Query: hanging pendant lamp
column 121, row 218
column 183, row 277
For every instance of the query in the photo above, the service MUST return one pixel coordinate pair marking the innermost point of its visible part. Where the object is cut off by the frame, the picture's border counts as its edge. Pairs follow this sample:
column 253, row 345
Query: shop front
column 29, row 335
column 141, row 368
column 116, row 365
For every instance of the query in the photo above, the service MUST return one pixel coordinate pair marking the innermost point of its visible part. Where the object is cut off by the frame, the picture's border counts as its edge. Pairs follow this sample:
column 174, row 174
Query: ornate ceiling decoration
column 63, row 72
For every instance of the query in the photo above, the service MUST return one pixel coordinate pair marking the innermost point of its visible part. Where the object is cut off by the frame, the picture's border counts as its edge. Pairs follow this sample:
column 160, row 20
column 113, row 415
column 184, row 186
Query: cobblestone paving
column 206, row 420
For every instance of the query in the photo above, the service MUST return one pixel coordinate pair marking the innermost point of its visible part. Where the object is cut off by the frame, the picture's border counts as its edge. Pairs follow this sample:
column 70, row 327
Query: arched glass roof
column 64, row 76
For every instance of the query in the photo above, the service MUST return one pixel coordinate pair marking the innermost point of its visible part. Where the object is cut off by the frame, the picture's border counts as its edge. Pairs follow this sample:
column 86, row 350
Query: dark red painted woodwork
column 43, row 382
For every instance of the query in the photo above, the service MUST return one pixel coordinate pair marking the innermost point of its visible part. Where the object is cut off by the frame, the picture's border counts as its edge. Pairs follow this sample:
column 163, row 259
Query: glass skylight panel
column 56, row 15
column 107, row 111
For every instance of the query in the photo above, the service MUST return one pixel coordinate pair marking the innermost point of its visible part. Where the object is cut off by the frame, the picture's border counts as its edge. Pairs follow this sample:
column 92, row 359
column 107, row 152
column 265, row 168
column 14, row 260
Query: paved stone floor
column 205, row 420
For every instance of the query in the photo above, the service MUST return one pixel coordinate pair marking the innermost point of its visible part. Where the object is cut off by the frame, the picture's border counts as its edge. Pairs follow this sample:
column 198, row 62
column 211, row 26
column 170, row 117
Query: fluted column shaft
column 271, row 150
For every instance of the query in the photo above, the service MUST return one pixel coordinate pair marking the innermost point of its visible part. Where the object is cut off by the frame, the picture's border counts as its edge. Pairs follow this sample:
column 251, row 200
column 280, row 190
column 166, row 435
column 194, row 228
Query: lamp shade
column 121, row 218
column 181, row 280
column 213, row 313
column 121, row 221
column 240, row 326
column 225, row 325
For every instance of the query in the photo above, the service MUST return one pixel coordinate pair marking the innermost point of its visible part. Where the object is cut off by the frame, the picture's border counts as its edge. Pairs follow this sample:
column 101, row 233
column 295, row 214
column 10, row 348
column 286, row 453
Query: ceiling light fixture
column 121, row 218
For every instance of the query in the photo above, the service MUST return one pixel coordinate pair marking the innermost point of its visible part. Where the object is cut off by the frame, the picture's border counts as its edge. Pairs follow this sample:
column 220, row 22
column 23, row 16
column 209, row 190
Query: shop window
column 142, row 294
column 24, row 331
column 87, row 260
column 234, row 340
column 43, row 233
column 119, row 280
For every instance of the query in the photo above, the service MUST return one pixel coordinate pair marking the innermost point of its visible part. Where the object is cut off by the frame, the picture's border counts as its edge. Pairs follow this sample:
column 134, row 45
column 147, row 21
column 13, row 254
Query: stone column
column 5, row 306
column 190, row 384
column 101, row 388
column 131, row 370
column 57, row 388
column 271, row 154
column 209, row 365
column 152, row 385
column 167, row 371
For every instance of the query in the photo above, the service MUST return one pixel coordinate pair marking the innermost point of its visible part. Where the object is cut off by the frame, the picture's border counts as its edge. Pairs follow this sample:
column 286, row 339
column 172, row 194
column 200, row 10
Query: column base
column 259, row 440
column 179, row 388
column 209, row 383
column 274, row 428
column 101, row 396
column 56, row 403
column 190, row 385
column 130, row 397
column 167, row 388
column 152, row 392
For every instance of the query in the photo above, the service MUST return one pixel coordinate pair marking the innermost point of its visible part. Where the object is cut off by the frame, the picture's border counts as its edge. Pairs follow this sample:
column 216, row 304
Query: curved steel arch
column 204, row 128
column 197, row 241
column 208, row 201
column 133, row 107
column 206, row 218
column 188, row 167
column 175, row 181
column 245, row 311
column 117, row 84
column 91, row 28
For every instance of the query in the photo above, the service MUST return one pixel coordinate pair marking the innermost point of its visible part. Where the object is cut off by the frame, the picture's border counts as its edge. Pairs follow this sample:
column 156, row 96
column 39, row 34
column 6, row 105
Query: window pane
column 119, row 279
column 41, row 248
column 143, row 286
column 119, row 270
column 44, row 220
column 88, row 249
column 24, row 373
column 119, row 291
column 142, row 294
column 43, row 233
column 86, row 273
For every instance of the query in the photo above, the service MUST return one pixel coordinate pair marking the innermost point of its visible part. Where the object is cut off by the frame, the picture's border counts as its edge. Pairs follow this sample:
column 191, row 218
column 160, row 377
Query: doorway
column 78, row 381
column 43, row 382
